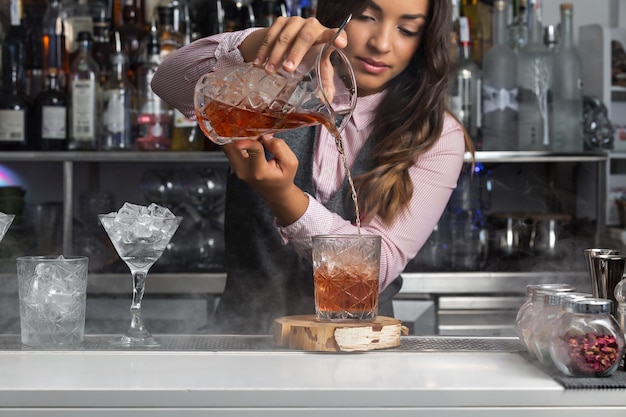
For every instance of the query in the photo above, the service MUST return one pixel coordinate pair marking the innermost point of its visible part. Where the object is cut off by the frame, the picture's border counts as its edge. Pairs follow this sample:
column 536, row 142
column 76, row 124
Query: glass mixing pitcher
column 244, row 101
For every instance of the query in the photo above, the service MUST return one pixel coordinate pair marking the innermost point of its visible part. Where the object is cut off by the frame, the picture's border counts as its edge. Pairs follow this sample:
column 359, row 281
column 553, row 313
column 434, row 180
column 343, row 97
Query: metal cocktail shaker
column 608, row 271
column 590, row 253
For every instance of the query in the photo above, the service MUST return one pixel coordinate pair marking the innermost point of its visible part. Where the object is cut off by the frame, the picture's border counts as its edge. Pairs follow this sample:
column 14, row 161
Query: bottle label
column 116, row 114
column 72, row 27
column 83, row 110
column 153, row 127
column 181, row 121
column 495, row 99
column 154, row 131
column 54, row 122
column 12, row 126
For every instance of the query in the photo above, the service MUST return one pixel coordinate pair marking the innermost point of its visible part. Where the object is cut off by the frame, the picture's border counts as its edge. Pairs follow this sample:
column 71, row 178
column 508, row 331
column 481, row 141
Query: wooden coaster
column 307, row 333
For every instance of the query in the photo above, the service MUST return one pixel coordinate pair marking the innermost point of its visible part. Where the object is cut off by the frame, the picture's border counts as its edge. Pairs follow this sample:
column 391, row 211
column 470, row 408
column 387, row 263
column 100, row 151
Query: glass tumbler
column 345, row 275
column 52, row 299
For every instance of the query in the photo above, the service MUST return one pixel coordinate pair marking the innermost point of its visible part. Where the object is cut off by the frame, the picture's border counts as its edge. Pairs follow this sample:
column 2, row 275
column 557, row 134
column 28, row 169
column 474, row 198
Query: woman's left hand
column 272, row 178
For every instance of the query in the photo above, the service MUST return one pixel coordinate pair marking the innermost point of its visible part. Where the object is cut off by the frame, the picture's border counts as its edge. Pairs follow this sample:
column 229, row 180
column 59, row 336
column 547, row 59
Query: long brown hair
column 409, row 119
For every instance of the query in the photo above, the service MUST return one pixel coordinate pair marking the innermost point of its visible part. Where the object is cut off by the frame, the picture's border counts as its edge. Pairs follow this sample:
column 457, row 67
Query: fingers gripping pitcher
column 244, row 101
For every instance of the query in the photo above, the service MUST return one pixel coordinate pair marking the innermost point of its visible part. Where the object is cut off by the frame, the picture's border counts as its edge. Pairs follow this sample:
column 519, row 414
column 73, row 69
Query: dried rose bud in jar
column 586, row 339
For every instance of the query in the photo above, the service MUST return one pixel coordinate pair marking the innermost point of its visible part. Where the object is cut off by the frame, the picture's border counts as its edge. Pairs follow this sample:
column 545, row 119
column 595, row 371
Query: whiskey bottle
column 51, row 116
column 132, row 33
column 15, row 105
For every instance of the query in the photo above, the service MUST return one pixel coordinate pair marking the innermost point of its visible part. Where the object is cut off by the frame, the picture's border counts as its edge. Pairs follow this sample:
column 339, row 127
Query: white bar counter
column 279, row 382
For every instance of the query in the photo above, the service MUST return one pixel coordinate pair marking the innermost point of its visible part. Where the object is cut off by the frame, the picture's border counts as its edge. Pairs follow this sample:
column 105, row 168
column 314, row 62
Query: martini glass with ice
column 140, row 235
column 5, row 223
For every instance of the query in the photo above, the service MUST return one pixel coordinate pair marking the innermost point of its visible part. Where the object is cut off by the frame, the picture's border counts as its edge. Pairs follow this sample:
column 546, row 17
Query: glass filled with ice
column 52, row 298
column 5, row 223
column 139, row 234
column 345, row 275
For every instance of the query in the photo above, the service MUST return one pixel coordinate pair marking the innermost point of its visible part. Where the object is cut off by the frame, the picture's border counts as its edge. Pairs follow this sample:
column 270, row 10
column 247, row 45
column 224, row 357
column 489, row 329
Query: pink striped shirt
column 434, row 175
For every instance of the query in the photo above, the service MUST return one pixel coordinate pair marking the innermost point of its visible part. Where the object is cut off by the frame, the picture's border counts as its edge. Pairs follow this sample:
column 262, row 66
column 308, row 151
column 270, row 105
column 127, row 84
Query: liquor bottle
column 77, row 18
column 499, row 88
column 150, row 8
column 184, row 132
column 51, row 116
column 454, row 36
column 550, row 37
column 236, row 15
column 534, row 75
column 2, row 34
column 119, row 111
column 169, row 39
column 132, row 33
column 154, row 121
column 464, row 99
column 518, row 29
column 34, row 52
column 15, row 105
column 567, row 96
column 187, row 25
column 266, row 11
column 469, row 9
column 179, row 9
column 102, row 48
column 143, row 8
column 84, row 90
column 54, row 47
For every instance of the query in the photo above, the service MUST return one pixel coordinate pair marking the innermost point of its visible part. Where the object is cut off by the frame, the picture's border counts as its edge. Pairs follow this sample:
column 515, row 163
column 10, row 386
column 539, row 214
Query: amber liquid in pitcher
column 229, row 121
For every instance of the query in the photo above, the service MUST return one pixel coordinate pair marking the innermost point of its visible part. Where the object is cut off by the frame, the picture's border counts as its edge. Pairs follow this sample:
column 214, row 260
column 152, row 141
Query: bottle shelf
column 112, row 156
column 537, row 156
column 213, row 283
column 217, row 156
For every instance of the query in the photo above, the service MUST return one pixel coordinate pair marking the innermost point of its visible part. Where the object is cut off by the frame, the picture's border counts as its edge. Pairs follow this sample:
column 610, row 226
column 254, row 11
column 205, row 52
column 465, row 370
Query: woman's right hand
column 286, row 42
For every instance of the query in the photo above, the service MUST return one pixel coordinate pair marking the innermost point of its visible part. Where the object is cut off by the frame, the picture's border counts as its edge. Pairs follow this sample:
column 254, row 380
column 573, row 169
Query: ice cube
column 256, row 100
column 5, row 222
column 158, row 211
column 55, row 288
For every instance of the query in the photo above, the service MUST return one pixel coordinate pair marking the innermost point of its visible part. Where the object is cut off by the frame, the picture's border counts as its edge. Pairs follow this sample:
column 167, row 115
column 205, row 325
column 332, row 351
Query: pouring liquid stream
column 339, row 143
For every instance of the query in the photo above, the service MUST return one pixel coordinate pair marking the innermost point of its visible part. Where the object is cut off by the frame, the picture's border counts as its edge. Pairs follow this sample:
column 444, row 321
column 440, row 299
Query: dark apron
column 265, row 278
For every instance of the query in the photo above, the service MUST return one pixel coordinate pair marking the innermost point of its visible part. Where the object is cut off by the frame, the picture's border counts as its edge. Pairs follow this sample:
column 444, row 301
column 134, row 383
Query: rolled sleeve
column 316, row 220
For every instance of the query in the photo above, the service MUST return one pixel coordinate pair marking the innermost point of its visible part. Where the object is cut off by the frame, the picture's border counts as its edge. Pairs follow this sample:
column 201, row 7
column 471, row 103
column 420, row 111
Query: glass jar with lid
column 526, row 315
column 542, row 328
column 586, row 339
